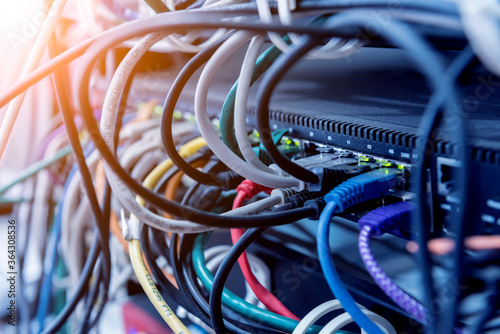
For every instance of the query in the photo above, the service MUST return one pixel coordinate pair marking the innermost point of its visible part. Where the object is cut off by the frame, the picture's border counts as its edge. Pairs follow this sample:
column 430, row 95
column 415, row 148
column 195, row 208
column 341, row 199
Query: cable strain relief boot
column 388, row 218
column 302, row 197
column 330, row 177
column 317, row 204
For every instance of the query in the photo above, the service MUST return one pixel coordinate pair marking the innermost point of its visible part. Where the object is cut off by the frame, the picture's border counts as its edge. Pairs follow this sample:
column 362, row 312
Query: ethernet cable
column 36, row 54
column 316, row 313
column 334, row 49
column 228, row 108
column 51, row 257
column 210, row 18
column 376, row 223
column 214, row 257
column 240, row 105
column 266, row 88
column 213, row 140
column 371, row 185
column 480, row 24
column 120, row 78
column 345, row 318
column 36, row 167
column 151, row 290
column 263, row 294
column 228, row 298
column 131, row 233
column 335, row 325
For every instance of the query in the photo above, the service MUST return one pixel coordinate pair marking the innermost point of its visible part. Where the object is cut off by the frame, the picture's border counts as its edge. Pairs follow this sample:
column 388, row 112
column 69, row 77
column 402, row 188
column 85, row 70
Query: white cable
column 146, row 164
column 334, row 49
column 184, row 43
column 345, row 318
column 481, row 24
column 211, row 137
column 315, row 314
column 120, row 190
column 33, row 60
column 340, row 321
column 130, row 155
column 327, row 51
column 120, row 77
column 256, row 207
column 240, row 105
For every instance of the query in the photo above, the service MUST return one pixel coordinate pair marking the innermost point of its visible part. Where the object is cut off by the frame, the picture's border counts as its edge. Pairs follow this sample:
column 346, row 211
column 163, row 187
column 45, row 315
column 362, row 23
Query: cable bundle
column 148, row 183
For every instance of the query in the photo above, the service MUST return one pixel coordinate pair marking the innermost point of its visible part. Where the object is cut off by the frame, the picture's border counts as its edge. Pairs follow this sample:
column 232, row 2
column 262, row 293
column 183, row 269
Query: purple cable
column 378, row 222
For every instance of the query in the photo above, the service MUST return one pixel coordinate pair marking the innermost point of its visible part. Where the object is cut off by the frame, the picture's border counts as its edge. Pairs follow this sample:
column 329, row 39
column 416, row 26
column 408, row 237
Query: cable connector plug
column 283, row 194
column 317, row 204
column 130, row 227
column 364, row 187
column 332, row 176
column 387, row 218
column 299, row 199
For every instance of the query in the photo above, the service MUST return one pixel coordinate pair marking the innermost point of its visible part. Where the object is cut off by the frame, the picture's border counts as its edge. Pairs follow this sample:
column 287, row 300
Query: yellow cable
column 151, row 290
column 185, row 151
column 134, row 245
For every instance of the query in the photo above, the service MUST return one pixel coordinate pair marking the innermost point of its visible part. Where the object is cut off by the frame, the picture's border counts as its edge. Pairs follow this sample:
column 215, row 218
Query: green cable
column 36, row 167
column 238, row 304
column 264, row 61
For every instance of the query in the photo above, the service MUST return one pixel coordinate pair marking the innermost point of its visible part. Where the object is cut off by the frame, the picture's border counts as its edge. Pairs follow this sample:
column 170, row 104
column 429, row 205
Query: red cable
column 266, row 297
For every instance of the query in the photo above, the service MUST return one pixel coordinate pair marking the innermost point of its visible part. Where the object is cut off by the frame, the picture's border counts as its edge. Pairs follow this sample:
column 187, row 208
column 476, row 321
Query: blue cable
column 371, row 185
column 51, row 255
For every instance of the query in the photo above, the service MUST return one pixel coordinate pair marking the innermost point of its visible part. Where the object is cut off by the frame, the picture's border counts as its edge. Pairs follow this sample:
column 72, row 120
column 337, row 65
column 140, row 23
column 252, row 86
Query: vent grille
column 383, row 136
column 485, row 156
column 347, row 129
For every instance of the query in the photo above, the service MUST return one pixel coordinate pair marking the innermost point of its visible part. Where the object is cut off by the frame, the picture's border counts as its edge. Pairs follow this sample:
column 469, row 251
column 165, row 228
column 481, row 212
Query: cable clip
column 130, row 227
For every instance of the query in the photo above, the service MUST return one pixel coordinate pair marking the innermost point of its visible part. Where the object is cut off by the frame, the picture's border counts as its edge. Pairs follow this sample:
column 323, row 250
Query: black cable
column 165, row 284
column 105, row 286
column 183, row 288
column 234, row 321
column 168, row 112
column 81, row 288
column 91, row 298
column 222, row 274
column 198, row 156
column 433, row 115
column 65, row 109
column 208, row 169
column 160, row 202
column 173, row 207
column 67, row 57
column 179, row 210
column 266, row 88
column 88, row 185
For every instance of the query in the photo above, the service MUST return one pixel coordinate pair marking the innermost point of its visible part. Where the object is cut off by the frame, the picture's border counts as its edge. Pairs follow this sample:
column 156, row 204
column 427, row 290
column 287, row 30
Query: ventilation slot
column 486, row 156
